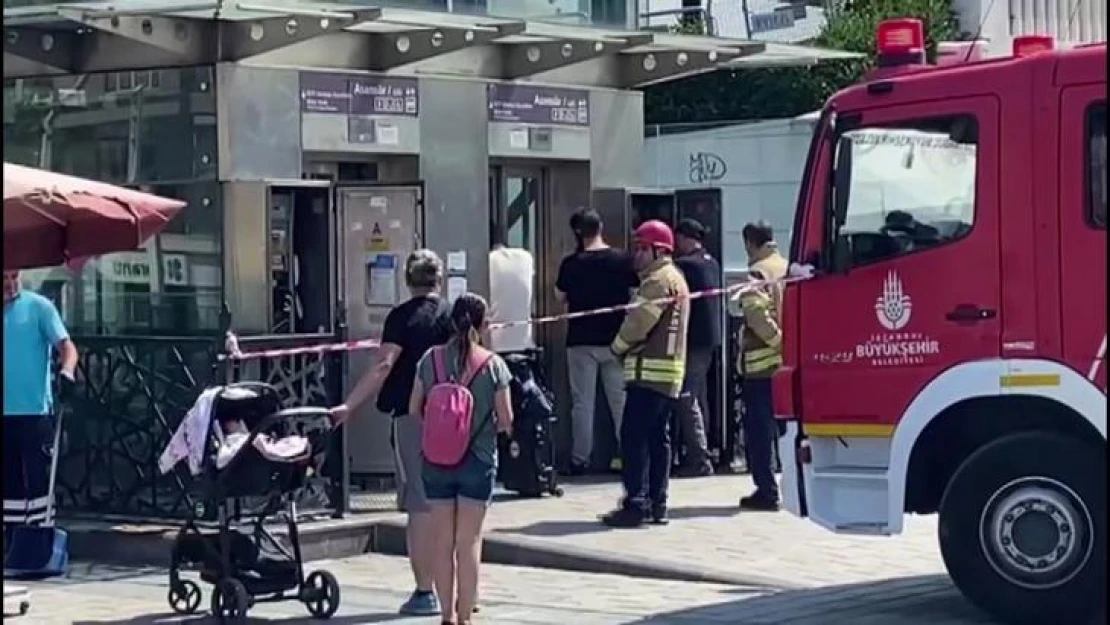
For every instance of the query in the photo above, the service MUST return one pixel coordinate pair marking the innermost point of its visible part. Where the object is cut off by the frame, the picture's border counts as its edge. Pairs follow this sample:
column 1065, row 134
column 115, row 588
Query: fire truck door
column 1082, row 193
column 909, row 274
column 379, row 226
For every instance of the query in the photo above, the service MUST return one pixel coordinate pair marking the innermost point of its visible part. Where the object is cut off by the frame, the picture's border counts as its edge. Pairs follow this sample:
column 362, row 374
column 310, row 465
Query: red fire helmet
column 656, row 234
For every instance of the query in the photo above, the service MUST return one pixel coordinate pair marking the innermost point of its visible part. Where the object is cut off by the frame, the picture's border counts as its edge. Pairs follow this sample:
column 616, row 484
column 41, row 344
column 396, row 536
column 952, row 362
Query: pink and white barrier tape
column 798, row 273
column 231, row 346
column 743, row 286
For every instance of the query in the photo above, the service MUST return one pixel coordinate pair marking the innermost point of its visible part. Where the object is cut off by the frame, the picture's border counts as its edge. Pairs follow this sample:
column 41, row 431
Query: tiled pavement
column 816, row 577
column 706, row 531
column 373, row 585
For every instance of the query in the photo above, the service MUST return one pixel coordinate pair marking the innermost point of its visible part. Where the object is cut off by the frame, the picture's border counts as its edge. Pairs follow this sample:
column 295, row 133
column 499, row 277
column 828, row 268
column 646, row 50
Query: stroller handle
column 260, row 387
column 288, row 414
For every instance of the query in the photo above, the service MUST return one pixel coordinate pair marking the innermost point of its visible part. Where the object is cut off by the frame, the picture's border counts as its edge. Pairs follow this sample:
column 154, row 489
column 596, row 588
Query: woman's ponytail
column 468, row 316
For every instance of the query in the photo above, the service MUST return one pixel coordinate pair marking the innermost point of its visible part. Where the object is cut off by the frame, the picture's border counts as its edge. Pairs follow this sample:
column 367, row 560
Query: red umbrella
column 50, row 219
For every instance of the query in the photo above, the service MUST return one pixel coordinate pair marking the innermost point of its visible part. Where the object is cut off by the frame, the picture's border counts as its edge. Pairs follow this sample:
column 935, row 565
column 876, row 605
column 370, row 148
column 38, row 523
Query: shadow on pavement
column 555, row 528
column 552, row 529
column 916, row 600
column 85, row 572
column 695, row 512
column 174, row 619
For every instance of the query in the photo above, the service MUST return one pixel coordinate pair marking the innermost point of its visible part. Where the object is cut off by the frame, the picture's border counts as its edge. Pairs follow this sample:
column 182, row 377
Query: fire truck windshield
column 908, row 189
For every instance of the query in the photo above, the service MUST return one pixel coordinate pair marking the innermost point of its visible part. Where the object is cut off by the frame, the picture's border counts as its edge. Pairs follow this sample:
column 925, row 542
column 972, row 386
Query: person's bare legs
column 409, row 466
column 420, row 539
column 468, row 553
column 443, row 556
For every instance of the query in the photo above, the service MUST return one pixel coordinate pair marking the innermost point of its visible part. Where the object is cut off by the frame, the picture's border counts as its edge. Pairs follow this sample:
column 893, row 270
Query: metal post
column 344, row 504
column 46, row 144
column 747, row 19
column 134, row 133
column 225, row 367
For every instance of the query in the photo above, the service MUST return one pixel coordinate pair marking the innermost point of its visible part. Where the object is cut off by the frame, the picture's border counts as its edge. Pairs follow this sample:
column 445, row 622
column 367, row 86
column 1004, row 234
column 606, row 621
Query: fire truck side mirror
column 842, row 181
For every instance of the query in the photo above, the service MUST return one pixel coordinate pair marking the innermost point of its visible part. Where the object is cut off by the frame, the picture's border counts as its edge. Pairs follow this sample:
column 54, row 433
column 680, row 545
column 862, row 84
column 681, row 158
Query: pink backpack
column 449, row 414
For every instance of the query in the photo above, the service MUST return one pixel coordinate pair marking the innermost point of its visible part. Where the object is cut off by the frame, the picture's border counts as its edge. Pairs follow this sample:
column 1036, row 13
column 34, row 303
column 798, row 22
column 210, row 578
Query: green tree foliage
column 852, row 27
column 733, row 95
column 689, row 26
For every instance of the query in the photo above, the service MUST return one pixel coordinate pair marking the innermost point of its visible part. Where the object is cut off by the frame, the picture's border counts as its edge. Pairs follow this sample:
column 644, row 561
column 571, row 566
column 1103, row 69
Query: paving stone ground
column 373, row 586
column 707, row 530
column 819, row 578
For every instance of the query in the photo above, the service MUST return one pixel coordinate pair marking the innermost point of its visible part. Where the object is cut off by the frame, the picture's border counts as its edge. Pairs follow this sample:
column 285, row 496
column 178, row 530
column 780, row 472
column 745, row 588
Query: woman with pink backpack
column 461, row 392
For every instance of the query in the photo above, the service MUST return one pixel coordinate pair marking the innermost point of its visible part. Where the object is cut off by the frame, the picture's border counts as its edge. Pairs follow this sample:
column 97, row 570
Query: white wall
column 758, row 167
column 1068, row 21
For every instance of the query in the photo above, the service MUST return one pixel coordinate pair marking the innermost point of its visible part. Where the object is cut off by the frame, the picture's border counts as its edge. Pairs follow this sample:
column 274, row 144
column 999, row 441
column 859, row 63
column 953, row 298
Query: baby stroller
column 248, row 568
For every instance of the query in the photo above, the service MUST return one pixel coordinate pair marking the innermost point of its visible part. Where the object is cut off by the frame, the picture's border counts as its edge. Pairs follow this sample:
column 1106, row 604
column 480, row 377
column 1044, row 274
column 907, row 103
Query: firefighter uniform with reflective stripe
column 761, row 309
column 652, row 339
column 761, row 341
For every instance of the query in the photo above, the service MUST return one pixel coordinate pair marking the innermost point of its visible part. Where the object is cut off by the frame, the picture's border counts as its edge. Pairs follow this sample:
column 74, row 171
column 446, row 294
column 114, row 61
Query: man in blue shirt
column 32, row 328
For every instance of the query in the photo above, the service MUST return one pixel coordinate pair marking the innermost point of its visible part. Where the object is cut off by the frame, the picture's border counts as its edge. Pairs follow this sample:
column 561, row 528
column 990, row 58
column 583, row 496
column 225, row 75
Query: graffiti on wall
column 706, row 167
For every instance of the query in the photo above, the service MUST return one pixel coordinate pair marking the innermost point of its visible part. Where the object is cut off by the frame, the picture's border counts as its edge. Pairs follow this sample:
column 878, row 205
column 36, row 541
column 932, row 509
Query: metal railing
column 304, row 380
column 134, row 391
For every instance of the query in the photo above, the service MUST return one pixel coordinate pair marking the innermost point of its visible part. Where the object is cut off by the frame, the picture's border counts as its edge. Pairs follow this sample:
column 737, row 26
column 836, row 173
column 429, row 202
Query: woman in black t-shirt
column 411, row 329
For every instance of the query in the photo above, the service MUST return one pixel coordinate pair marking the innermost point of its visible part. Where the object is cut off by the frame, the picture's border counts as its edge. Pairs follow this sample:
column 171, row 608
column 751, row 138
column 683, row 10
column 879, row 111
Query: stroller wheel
column 320, row 594
column 230, row 601
column 184, row 596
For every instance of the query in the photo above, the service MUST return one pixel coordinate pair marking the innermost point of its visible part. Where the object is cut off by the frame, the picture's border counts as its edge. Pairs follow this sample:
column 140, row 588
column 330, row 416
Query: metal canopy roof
column 789, row 55
column 92, row 37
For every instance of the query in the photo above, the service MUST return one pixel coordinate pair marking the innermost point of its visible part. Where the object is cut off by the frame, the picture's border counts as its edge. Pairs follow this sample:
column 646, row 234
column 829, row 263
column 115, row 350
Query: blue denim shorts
column 472, row 481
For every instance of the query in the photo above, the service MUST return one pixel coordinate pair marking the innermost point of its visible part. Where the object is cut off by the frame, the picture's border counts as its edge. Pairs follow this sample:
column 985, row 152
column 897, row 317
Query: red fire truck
column 949, row 354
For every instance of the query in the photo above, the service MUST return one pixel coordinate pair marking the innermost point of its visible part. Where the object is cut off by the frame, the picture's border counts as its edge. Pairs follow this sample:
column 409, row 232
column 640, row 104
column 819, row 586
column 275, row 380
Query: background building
column 316, row 146
column 1068, row 21
column 152, row 129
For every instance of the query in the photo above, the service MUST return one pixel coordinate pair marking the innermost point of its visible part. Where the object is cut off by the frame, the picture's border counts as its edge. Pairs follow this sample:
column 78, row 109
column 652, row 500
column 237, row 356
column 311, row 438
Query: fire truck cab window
column 1096, row 163
column 909, row 188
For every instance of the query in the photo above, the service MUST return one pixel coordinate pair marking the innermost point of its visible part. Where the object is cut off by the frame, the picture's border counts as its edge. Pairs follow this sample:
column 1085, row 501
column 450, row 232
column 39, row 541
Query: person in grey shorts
column 411, row 329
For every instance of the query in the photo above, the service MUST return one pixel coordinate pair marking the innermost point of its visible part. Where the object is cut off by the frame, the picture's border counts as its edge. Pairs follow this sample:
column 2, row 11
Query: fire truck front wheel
column 1023, row 529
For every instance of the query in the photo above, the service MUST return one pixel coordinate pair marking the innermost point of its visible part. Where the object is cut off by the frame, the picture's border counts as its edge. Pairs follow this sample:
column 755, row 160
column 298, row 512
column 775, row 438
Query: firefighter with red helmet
column 652, row 344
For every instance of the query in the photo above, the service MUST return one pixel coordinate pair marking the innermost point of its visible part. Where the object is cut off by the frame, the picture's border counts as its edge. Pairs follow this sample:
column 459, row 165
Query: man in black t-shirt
column 595, row 276
column 703, row 339
column 411, row 329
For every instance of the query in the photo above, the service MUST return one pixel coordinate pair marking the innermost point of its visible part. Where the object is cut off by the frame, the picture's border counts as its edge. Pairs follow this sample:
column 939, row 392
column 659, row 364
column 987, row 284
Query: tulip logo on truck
column 893, row 307
column 894, row 348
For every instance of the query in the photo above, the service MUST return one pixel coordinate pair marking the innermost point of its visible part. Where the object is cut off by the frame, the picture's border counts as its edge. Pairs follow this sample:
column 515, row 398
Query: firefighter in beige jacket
column 760, row 358
column 652, row 343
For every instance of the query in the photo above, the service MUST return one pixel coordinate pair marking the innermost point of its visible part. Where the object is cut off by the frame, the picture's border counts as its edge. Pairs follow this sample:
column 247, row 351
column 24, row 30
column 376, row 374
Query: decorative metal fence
column 304, row 380
column 134, row 391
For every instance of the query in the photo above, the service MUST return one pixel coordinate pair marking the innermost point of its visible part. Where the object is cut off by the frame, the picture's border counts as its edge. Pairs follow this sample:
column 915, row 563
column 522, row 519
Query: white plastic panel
column 1068, row 21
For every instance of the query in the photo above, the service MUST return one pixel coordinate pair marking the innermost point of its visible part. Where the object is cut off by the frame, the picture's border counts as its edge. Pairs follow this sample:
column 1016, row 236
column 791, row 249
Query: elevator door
column 522, row 193
column 520, row 207
column 380, row 225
